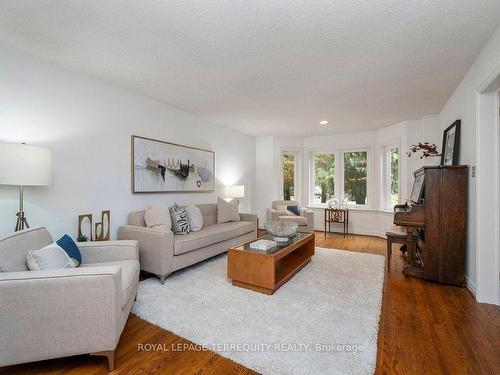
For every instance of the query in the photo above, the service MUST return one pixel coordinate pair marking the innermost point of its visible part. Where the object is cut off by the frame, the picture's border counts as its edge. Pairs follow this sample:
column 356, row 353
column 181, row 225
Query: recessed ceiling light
column 324, row 122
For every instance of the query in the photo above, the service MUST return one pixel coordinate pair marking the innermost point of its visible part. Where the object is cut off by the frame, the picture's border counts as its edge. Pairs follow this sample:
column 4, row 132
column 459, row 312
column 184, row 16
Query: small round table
column 337, row 215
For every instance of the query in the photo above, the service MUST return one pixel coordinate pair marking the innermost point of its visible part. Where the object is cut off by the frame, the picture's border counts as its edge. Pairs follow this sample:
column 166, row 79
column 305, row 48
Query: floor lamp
column 22, row 165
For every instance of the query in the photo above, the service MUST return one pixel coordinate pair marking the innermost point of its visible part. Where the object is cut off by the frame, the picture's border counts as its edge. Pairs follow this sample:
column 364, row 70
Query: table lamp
column 233, row 191
column 23, row 165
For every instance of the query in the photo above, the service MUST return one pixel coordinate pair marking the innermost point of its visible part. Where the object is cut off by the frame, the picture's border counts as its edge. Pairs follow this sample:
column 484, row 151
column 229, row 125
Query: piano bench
column 393, row 238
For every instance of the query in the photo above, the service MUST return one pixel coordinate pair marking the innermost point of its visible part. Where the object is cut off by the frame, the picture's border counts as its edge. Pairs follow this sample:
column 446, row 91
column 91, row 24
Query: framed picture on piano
column 418, row 188
column 451, row 144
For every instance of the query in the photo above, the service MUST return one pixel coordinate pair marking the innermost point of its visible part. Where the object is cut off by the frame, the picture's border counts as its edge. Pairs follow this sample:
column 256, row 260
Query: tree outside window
column 394, row 155
column 324, row 177
column 355, row 176
column 288, row 177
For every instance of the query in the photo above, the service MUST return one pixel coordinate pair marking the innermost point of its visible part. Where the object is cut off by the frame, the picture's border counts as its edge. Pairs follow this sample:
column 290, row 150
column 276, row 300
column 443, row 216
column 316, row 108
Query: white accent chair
column 64, row 312
column 305, row 220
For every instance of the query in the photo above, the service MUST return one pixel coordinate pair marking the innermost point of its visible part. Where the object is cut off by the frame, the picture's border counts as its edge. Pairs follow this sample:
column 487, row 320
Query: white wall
column 462, row 105
column 88, row 124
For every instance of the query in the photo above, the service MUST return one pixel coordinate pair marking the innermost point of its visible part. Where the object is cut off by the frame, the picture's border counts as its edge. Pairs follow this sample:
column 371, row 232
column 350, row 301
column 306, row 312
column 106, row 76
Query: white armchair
column 305, row 220
column 58, row 313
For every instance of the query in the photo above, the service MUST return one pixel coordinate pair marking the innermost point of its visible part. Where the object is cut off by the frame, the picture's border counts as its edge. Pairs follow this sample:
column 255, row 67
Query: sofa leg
column 110, row 355
column 162, row 279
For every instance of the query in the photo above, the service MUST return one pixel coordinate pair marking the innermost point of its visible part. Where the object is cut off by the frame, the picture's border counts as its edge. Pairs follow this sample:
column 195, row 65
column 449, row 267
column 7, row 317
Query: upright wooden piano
column 435, row 221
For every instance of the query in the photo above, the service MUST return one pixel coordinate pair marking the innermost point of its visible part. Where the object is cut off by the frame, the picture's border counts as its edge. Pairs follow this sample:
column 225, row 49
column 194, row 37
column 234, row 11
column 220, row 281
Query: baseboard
column 470, row 286
column 360, row 232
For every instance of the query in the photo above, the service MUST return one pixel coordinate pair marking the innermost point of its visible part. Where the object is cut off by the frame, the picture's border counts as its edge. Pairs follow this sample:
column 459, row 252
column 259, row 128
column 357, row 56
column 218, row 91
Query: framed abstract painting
column 164, row 167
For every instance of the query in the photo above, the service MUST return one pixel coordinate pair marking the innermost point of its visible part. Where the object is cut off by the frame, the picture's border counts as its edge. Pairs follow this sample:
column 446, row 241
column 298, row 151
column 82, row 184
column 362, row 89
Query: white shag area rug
column 322, row 321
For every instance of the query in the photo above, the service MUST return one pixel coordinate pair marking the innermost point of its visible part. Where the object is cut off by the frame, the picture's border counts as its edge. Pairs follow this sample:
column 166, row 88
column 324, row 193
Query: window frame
column 339, row 175
column 385, row 186
column 296, row 177
column 368, row 175
column 312, row 175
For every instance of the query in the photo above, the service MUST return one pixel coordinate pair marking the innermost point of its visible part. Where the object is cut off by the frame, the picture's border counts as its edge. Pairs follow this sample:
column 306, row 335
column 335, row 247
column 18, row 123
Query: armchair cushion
column 108, row 251
column 69, row 246
column 49, row 258
column 300, row 220
column 129, row 277
column 15, row 247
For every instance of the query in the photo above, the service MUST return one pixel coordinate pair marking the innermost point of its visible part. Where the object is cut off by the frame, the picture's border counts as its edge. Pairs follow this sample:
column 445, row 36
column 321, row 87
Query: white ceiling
column 266, row 67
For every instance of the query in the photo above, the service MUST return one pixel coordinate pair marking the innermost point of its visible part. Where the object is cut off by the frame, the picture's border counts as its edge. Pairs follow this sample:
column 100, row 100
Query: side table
column 337, row 215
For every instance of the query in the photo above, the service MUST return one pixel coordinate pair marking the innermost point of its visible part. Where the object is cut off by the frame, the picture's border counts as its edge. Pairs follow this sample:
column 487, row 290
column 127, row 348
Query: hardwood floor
column 424, row 328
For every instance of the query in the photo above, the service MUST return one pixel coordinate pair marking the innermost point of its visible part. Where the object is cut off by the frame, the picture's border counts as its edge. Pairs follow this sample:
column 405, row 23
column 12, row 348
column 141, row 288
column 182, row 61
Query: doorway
column 488, row 190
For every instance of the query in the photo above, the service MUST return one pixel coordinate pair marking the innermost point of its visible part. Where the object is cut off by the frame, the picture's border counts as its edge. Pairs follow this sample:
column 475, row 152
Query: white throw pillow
column 50, row 257
column 158, row 217
column 227, row 211
column 195, row 219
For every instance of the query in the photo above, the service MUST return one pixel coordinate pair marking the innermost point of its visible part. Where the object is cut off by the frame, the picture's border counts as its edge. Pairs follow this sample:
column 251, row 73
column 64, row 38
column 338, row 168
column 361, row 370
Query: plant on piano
column 428, row 150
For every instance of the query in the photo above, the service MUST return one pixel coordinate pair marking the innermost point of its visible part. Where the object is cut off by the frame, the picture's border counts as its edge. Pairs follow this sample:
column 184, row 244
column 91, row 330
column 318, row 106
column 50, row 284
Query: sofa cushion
column 195, row 218
column 180, row 224
column 227, row 211
column 301, row 220
column 209, row 213
column 158, row 216
column 210, row 235
column 15, row 247
column 130, row 276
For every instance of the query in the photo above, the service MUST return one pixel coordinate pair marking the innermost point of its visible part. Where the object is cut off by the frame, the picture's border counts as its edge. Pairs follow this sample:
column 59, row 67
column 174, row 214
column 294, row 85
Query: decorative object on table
column 82, row 219
column 82, row 238
column 337, row 215
column 164, row 167
column 233, row 191
column 102, row 229
column 227, row 211
column 23, row 165
column 282, row 231
column 451, row 144
column 428, row 150
column 263, row 245
column 332, row 202
column 180, row 224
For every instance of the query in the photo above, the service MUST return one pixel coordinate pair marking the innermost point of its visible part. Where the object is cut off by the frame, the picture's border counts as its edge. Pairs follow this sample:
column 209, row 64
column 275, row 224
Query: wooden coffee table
column 266, row 271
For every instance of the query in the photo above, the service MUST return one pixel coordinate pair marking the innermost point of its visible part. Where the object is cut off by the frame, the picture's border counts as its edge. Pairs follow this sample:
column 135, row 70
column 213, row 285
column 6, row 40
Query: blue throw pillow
column 68, row 245
column 294, row 209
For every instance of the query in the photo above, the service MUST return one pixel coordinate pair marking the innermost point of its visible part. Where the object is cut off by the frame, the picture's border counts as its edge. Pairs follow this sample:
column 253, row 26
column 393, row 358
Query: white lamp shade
column 234, row 191
column 25, row 165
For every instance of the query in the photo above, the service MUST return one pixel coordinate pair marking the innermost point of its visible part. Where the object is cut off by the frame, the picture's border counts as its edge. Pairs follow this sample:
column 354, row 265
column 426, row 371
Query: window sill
column 354, row 208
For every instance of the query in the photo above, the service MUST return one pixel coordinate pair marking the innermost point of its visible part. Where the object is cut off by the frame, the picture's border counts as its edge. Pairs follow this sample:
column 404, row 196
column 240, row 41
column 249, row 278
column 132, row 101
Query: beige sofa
column 305, row 220
column 163, row 252
column 58, row 313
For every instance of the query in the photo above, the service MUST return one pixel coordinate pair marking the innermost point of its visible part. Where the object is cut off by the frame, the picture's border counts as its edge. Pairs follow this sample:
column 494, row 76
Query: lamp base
column 22, row 223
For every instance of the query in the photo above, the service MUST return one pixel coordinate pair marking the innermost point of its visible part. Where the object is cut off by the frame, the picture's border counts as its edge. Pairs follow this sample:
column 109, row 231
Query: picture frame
column 451, row 144
column 165, row 167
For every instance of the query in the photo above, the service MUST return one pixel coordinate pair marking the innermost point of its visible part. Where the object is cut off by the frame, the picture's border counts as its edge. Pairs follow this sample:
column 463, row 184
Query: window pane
column 355, row 173
column 394, row 176
column 289, row 177
column 324, row 177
